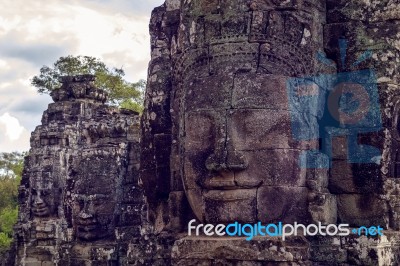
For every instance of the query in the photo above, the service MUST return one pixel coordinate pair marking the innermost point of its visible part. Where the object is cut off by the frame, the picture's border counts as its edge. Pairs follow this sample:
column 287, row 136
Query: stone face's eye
column 260, row 129
column 99, row 200
column 200, row 130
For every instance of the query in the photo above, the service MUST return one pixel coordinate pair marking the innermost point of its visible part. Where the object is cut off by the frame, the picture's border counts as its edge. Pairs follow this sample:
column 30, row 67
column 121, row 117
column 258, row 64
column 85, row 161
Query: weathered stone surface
column 265, row 92
column 272, row 168
column 230, row 205
column 283, row 204
column 78, row 190
column 261, row 249
column 361, row 210
column 239, row 126
column 368, row 11
column 236, row 128
column 323, row 208
column 354, row 178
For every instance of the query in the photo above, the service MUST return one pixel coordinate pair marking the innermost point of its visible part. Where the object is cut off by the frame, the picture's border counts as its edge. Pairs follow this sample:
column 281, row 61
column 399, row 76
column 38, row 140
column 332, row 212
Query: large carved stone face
column 240, row 160
column 95, row 199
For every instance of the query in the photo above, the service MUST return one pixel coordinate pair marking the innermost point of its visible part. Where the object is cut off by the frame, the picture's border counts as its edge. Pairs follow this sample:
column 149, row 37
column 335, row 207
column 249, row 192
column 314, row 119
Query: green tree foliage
column 8, row 217
column 122, row 93
column 11, row 166
column 5, row 242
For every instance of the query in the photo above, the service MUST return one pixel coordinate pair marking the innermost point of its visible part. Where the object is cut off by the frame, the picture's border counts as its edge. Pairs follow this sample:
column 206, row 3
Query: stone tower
column 79, row 200
column 256, row 111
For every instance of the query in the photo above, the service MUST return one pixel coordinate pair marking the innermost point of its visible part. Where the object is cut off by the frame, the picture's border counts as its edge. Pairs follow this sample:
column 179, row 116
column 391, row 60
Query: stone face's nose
column 226, row 158
column 85, row 215
column 87, row 211
column 38, row 198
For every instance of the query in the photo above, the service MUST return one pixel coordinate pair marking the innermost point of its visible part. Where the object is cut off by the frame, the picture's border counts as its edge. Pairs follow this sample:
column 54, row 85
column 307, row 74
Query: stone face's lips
column 40, row 210
column 221, row 185
column 226, row 181
column 219, row 182
column 87, row 225
column 87, row 235
column 230, row 195
column 87, row 228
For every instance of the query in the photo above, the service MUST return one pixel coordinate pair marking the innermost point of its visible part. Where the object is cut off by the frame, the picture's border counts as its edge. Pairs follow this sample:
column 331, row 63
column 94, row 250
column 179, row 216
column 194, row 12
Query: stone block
column 258, row 129
column 242, row 56
column 199, row 96
column 162, row 143
column 282, row 204
column 323, row 209
column 48, row 263
column 278, row 167
column 339, row 147
column 203, row 129
column 362, row 210
column 279, row 57
column 223, row 206
column 260, row 249
column 378, row 40
column 192, row 262
column 346, row 177
column 33, row 263
column 354, row 10
column 232, row 24
column 253, row 90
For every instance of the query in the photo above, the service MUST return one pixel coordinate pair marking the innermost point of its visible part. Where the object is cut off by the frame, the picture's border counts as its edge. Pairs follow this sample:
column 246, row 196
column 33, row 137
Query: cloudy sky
column 37, row 33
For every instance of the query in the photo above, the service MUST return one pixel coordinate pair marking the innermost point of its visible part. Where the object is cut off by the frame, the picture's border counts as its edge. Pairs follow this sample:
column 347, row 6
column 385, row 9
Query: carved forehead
column 208, row 92
column 97, row 184
column 205, row 7
column 42, row 180
column 245, row 90
column 97, row 175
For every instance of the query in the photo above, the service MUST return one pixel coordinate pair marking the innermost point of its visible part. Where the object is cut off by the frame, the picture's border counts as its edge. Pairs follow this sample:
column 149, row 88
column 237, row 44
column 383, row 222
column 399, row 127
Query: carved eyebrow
column 92, row 197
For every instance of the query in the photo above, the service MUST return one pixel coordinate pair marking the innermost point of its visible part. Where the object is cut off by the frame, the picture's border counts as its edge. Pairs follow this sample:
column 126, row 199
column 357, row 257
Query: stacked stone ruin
column 78, row 200
column 238, row 127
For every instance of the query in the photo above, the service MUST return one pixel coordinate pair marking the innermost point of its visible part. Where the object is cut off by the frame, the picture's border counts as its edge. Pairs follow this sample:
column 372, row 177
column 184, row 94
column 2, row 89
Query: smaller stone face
column 95, row 198
column 43, row 198
column 42, row 202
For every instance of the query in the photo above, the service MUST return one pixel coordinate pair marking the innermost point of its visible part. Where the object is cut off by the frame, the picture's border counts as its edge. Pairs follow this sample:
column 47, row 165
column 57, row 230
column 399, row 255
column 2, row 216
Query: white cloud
column 13, row 136
column 12, row 126
column 94, row 28
column 38, row 33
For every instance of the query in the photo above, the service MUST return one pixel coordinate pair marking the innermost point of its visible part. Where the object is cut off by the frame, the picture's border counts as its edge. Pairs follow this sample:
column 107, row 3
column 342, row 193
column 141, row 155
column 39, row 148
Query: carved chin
column 88, row 235
column 89, row 232
column 225, row 206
